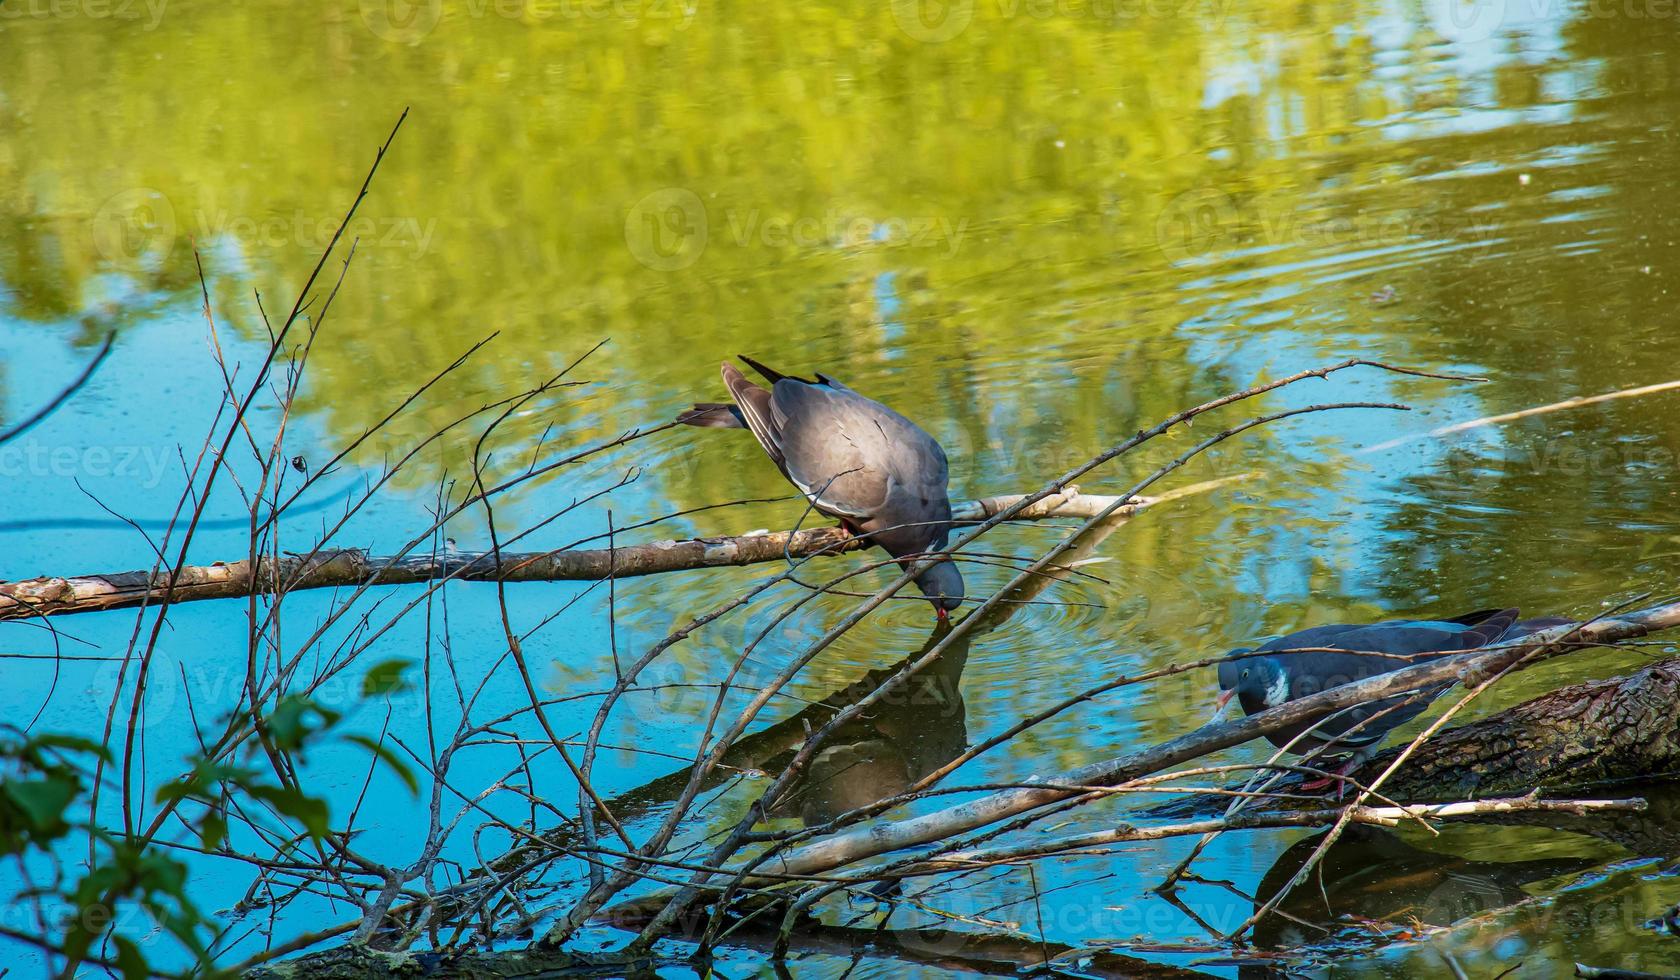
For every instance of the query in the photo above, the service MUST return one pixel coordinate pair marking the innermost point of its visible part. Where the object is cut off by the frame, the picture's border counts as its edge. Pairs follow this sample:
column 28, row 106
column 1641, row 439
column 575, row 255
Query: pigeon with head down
column 855, row 459
column 1323, row 657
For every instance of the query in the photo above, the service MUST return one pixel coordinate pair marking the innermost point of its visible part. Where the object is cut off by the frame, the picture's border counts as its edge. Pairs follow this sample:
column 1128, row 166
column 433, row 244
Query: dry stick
column 1567, row 403
column 1079, row 795
column 1093, row 843
column 232, row 738
column 111, row 710
column 706, row 761
column 1185, row 491
column 1000, row 616
column 1084, row 541
column 518, row 651
column 597, row 895
column 544, row 843
column 322, row 470
column 678, row 903
column 271, row 574
column 235, row 734
column 1267, row 776
column 336, row 568
column 282, row 770
column 1380, row 816
column 1471, row 668
column 934, row 862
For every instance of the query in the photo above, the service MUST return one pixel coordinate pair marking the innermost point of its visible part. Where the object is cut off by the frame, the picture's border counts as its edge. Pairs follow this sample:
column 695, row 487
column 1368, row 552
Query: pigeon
column 855, row 459
column 1279, row 676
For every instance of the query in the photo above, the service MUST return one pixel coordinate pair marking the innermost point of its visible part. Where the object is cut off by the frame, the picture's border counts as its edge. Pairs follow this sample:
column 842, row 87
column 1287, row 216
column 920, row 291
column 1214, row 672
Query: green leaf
column 296, row 718
column 161, row 873
column 386, row 677
column 212, row 830
column 73, row 743
column 310, row 812
column 43, row 800
column 130, row 961
column 384, row 754
column 174, row 790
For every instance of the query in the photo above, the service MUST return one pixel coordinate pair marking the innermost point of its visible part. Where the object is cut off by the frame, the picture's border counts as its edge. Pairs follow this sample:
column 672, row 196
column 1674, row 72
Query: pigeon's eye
column 1245, row 674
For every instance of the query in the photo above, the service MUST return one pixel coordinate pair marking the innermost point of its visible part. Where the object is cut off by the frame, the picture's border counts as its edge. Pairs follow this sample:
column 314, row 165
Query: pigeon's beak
column 1223, row 705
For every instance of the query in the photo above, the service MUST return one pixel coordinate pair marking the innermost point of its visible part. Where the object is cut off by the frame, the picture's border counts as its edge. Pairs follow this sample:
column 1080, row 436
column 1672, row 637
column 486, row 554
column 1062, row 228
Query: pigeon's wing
column 1379, row 648
column 837, row 447
column 858, row 458
column 918, row 504
column 1402, row 638
column 852, row 456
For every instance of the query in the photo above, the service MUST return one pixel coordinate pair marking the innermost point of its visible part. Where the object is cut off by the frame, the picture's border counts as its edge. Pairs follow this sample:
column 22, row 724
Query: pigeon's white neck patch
column 1278, row 692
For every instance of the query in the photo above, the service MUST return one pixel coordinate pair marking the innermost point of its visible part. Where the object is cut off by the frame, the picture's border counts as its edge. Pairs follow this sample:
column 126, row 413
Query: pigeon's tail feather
column 769, row 374
column 713, row 415
column 1491, row 629
column 753, row 403
column 1476, row 618
column 772, row 375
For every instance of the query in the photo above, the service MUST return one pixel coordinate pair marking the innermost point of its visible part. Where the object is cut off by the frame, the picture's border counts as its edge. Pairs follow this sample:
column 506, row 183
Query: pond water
column 1033, row 227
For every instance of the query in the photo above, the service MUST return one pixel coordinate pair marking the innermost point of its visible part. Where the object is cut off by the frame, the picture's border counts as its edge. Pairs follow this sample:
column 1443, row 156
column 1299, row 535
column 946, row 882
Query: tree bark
column 342, row 567
column 1586, row 735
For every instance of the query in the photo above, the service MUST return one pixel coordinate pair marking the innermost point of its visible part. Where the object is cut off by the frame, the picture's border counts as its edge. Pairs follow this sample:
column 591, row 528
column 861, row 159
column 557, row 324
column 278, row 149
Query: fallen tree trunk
column 1585, row 735
column 341, row 567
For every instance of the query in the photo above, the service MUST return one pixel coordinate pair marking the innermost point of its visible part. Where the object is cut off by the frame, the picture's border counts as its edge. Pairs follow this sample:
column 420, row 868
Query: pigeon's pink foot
column 1348, row 765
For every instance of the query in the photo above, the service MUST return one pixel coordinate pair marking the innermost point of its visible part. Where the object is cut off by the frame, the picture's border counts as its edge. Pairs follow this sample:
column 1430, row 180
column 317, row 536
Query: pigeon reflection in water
column 884, row 751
